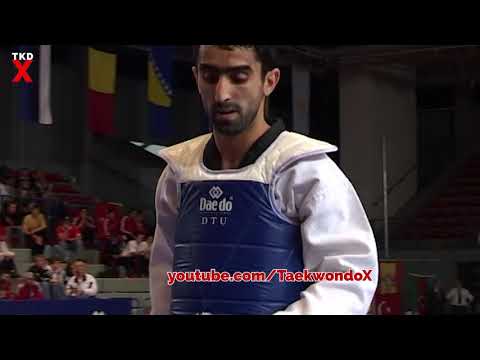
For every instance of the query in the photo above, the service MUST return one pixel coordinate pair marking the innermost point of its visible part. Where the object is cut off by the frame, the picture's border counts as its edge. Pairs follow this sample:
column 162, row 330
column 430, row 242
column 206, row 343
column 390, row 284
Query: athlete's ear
column 195, row 73
column 271, row 80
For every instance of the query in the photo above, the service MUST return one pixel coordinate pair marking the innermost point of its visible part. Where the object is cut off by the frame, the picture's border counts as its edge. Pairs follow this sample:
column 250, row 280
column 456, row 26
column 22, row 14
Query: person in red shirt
column 71, row 237
column 28, row 289
column 140, row 224
column 86, row 225
column 128, row 226
column 6, row 292
column 109, row 237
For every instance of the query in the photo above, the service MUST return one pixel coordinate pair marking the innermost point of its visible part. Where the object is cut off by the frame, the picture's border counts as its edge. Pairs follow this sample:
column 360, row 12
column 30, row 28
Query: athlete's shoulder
column 292, row 147
column 289, row 141
column 184, row 152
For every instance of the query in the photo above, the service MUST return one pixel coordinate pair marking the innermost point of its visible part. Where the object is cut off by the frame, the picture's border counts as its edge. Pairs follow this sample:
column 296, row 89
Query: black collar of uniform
column 213, row 161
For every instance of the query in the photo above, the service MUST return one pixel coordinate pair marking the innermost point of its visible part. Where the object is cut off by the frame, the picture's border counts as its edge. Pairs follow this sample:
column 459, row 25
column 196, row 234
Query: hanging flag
column 418, row 286
column 102, row 73
column 160, row 91
column 387, row 300
column 45, row 85
column 33, row 82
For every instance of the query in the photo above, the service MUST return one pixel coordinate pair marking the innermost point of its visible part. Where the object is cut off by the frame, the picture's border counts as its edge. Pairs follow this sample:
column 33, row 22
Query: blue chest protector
column 226, row 221
column 230, row 225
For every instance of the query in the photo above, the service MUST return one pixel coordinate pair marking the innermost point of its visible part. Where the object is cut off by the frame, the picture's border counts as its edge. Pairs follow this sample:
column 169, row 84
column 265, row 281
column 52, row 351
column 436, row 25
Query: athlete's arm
column 161, row 258
column 336, row 236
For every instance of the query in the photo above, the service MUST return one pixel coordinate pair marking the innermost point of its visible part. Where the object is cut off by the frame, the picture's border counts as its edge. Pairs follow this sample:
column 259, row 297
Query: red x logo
column 22, row 71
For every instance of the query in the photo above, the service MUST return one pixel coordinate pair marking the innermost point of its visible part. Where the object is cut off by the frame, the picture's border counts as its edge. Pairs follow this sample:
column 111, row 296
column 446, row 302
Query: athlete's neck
column 232, row 149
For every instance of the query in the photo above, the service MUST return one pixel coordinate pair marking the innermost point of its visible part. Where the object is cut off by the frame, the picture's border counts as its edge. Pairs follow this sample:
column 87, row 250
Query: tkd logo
column 27, row 59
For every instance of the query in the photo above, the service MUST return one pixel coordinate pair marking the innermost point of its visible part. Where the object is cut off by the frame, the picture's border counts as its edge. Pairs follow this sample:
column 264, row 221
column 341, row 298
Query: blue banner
column 120, row 306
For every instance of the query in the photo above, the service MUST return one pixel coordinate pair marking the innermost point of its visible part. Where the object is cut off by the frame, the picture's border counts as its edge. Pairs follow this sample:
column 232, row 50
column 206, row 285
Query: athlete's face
column 232, row 87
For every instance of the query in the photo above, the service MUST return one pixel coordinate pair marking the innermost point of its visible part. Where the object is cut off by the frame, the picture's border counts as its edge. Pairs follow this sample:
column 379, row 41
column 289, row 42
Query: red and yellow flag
column 102, row 74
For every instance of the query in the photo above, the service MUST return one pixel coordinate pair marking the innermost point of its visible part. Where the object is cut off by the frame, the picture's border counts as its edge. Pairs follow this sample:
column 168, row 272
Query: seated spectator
column 86, row 225
column 6, row 292
column 7, row 264
column 57, row 282
column 127, row 258
column 55, row 247
column 140, row 223
column 6, row 190
column 135, row 256
column 41, row 187
column 12, row 219
column 128, row 226
column 143, row 253
column 28, row 289
column 68, row 240
column 73, row 239
column 108, row 237
column 459, row 299
column 35, row 230
column 11, row 216
column 42, row 274
column 81, row 284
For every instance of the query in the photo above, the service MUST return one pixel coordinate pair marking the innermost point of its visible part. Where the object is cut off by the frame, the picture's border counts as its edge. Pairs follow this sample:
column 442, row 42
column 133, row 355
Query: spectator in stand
column 35, row 230
column 56, row 247
column 6, row 292
column 143, row 253
column 81, row 284
column 12, row 219
column 25, row 191
column 7, row 264
column 57, row 282
column 127, row 258
column 11, row 215
column 5, row 189
column 459, row 299
column 135, row 256
column 435, row 299
column 86, row 225
column 140, row 223
column 42, row 274
column 128, row 226
column 40, row 187
column 109, row 238
column 28, row 289
column 70, row 239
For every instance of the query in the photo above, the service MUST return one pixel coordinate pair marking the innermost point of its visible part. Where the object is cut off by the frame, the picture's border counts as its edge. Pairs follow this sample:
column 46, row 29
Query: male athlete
column 252, row 197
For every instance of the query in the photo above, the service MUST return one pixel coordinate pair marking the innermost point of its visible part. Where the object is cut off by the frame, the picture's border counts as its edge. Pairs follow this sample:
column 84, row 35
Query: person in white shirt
column 143, row 255
column 459, row 299
column 81, row 284
column 7, row 263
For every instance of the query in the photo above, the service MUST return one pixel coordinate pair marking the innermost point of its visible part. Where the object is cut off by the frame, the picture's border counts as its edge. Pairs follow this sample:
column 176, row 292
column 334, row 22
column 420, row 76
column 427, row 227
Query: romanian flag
column 33, row 102
column 160, row 91
column 102, row 74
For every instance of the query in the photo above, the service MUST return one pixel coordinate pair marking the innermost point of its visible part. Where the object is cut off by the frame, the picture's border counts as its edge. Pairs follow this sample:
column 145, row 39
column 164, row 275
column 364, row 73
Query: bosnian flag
column 34, row 98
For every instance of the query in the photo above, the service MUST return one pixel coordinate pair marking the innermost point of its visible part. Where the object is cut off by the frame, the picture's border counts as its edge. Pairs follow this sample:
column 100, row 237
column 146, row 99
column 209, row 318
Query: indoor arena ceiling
column 454, row 61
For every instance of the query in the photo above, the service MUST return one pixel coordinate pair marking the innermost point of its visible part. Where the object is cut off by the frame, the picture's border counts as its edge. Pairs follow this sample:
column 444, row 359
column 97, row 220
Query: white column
column 376, row 102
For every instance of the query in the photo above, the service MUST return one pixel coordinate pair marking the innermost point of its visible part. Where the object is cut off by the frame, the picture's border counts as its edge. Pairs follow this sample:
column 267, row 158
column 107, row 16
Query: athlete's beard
column 243, row 119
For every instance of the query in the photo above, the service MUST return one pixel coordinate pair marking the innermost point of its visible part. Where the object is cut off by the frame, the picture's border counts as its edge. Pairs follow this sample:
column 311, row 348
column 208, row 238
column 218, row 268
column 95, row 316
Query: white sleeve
column 132, row 247
column 336, row 236
column 91, row 290
column 70, row 286
column 161, row 258
column 450, row 295
column 469, row 296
